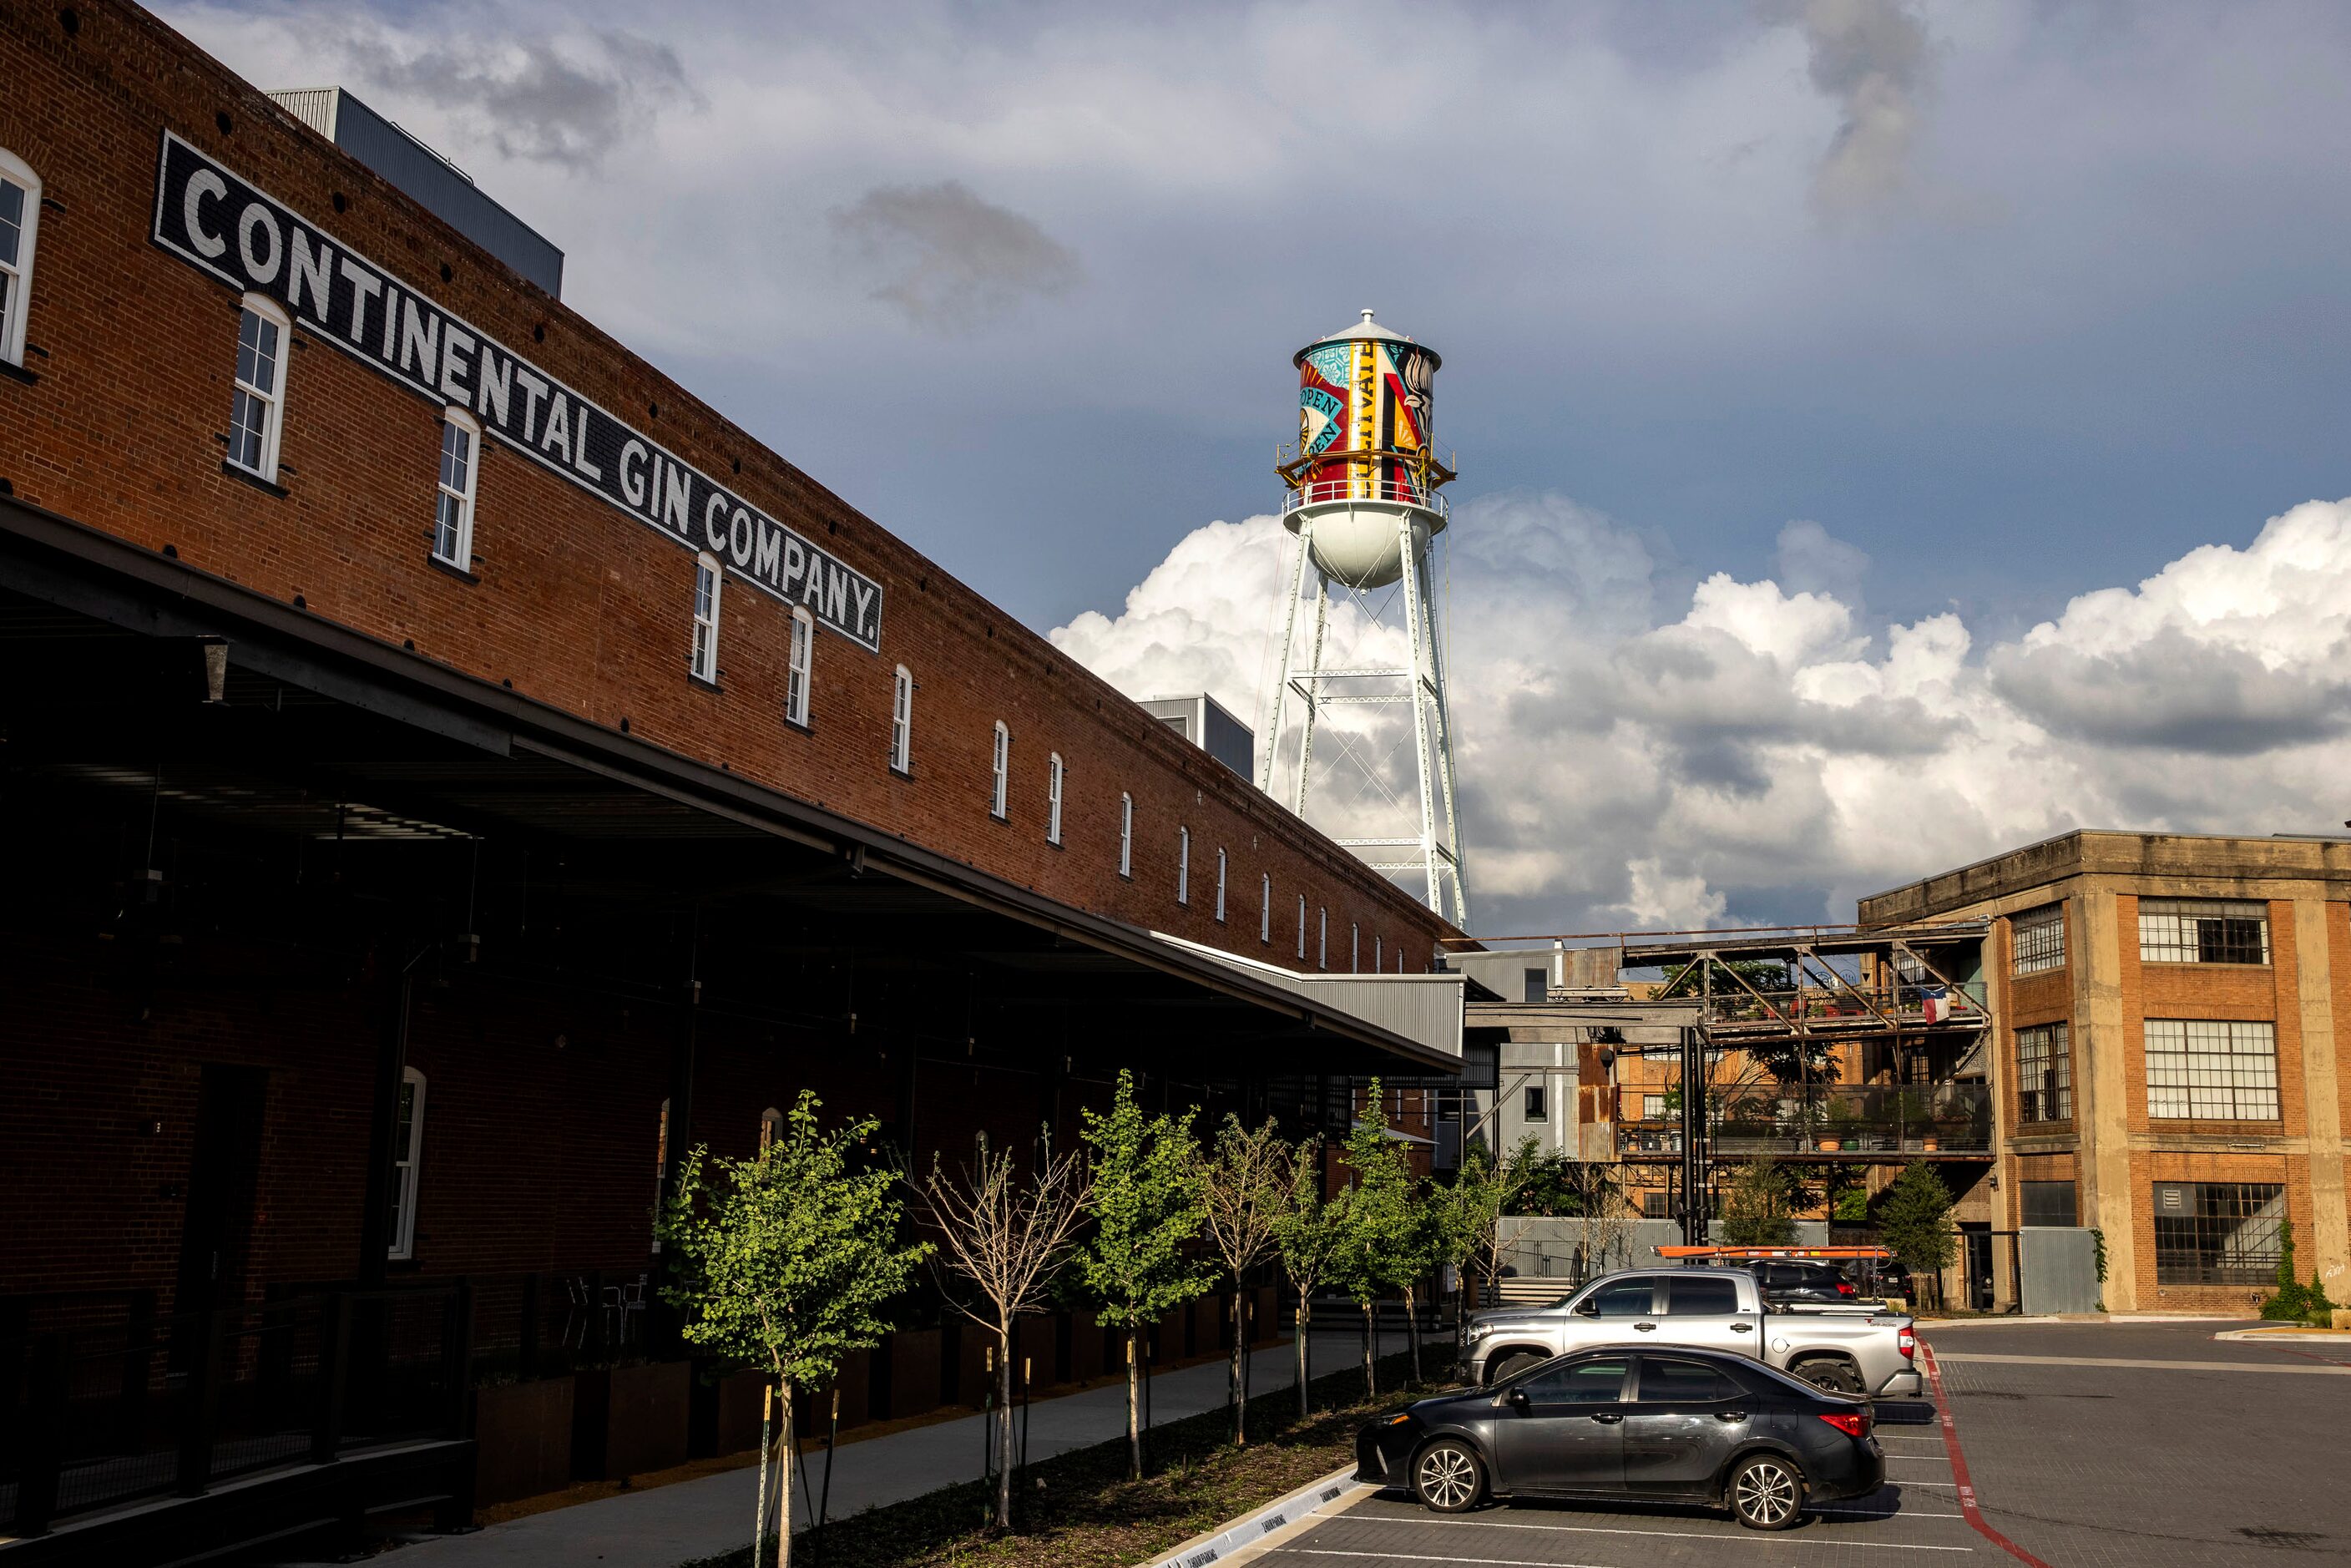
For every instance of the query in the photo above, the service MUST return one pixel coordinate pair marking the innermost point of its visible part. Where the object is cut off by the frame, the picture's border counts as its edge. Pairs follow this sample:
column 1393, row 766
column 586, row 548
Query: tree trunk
column 1371, row 1353
column 1305, row 1401
column 1412, row 1328
column 1133, row 1402
column 1241, row 1350
column 1004, row 1424
column 784, row 1482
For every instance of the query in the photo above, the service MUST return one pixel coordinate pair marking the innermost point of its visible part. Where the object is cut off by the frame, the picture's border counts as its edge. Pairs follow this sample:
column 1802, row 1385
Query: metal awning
column 1425, row 1009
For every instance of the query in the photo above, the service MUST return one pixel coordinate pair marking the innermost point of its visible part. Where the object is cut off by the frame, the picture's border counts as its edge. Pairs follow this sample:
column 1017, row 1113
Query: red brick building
column 456, row 769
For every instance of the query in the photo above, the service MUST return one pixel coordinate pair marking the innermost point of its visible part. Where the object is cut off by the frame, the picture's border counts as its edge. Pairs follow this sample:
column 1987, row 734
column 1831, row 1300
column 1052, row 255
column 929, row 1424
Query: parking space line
column 1408, row 1557
column 1752, row 1537
column 1966, row 1489
column 2322, row 1371
column 1872, row 1513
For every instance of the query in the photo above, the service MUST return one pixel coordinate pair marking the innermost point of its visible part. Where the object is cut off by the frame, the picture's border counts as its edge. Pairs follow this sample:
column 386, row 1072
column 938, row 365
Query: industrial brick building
column 2170, row 1016
column 456, row 770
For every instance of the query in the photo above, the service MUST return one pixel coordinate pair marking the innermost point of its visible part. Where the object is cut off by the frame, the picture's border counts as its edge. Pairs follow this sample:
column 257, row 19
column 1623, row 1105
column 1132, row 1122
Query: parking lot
column 2085, row 1445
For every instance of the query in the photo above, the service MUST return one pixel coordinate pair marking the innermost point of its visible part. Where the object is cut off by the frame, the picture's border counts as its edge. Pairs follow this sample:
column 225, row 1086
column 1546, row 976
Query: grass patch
column 1087, row 1514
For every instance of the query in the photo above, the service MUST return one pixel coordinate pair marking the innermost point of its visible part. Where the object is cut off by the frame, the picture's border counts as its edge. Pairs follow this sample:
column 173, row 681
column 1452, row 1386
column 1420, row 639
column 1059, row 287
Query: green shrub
column 2292, row 1304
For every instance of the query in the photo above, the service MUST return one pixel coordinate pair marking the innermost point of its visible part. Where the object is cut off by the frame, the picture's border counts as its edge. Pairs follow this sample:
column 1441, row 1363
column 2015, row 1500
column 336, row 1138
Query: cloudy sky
column 1889, row 432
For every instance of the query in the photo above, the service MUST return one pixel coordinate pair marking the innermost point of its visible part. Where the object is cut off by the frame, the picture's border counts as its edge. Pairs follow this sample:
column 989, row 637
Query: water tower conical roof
column 1361, row 331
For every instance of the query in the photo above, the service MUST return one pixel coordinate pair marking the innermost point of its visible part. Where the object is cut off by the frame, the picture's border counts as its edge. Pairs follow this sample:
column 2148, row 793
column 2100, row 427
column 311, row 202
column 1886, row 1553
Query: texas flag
column 1934, row 1001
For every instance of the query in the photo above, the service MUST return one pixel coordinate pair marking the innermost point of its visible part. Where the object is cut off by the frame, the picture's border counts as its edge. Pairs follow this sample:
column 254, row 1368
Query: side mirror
column 1588, row 1308
column 1518, row 1398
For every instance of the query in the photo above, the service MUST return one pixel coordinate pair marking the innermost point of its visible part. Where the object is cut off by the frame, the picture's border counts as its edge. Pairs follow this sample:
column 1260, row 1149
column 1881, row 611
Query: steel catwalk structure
column 1363, row 496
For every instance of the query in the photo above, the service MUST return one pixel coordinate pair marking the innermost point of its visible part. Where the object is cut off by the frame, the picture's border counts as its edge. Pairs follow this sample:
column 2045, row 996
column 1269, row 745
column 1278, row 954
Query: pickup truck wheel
column 1836, row 1376
column 1446, row 1476
column 1511, row 1365
column 1767, row 1493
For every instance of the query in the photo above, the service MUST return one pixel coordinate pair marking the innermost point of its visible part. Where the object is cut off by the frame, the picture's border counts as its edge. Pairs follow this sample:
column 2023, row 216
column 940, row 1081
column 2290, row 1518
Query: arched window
column 1301, row 926
column 1125, row 835
column 1265, row 907
column 902, row 720
column 1375, row 952
column 20, row 223
column 1354, row 948
column 702, row 660
column 771, row 1128
column 1323, row 938
column 1002, row 768
column 258, row 411
column 407, row 1145
column 1183, row 865
column 453, row 518
column 799, row 665
column 1053, row 799
column 1220, row 885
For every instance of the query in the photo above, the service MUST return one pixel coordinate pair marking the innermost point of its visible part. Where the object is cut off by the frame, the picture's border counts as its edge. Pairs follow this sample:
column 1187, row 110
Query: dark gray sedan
column 1663, row 1425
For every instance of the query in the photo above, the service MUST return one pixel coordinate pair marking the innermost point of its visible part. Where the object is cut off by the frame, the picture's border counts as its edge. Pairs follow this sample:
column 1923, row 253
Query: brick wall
column 577, row 604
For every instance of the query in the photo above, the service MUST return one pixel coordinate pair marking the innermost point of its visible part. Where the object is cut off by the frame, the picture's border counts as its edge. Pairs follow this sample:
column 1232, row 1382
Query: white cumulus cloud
column 1756, row 751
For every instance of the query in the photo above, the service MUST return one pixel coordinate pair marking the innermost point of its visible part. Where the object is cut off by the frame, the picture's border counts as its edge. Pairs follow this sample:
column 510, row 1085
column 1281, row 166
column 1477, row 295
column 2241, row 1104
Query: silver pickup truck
column 1717, row 1309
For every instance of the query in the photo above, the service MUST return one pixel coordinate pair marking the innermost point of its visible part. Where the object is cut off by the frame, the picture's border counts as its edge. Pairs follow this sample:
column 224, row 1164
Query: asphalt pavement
column 2075, row 1445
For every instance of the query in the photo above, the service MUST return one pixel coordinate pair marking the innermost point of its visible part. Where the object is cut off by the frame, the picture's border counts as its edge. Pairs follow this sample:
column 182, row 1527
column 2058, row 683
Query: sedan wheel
column 1448, row 1477
column 1766, row 1492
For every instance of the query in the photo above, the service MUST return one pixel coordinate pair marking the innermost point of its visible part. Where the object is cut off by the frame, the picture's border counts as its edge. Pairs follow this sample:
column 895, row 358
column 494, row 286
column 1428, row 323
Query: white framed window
column 20, row 223
column 258, row 412
column 1265, row 907
column 1220, row 885
column 1376, row 953
column 799, row 666
column 452, row 516
column 702, row 660
column 902, row 720
column 1125, row 835
column 1053, row 799
column 771, row 1128
column 1000, row 771
column 407, row 1145
column 1183, row 865
column 1323, row 938
column 2203, row 931
column 1301, row 926
column 2211, row 1070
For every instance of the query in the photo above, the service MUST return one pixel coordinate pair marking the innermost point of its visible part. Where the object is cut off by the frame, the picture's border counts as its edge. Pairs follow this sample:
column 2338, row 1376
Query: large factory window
column 1265, row 907
column 1183, row 865
column 2203, row 931
column 902, row 721
column 1053, row 799
column 1001, row 769
column 2044, row 1075
column 1125, row 835
column 1220, row 885
column 258, row 412
column 799, row 666
column 453, row 518
column 2211, row 1070
column 2038, row 939
column 702, row 660
column 20, row 218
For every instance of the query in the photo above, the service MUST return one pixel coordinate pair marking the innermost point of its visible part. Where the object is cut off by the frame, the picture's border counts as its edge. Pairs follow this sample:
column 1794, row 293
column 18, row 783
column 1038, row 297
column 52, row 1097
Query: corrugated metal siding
column 1423, row 1008
column 313, row 106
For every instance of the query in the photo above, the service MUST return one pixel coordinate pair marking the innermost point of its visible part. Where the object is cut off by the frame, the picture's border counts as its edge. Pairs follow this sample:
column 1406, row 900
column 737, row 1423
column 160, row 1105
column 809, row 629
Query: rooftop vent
column 448, row 192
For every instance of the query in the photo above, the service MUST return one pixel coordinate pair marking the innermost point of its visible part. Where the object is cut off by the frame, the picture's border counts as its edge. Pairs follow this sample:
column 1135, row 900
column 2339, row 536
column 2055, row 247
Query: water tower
column 1363, row 495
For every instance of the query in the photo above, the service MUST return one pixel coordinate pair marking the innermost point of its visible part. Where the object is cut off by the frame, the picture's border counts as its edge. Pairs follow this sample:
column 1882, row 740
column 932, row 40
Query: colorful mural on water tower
column 1363, row 424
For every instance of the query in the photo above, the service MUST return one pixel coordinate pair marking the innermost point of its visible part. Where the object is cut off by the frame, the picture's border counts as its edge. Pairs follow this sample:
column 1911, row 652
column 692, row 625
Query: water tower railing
column 1391, row 492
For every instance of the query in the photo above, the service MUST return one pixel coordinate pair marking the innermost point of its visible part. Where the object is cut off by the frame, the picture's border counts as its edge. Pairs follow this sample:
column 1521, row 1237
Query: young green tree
column 787, row 1261
column 1147, row 1210
column 1247, row 1185
column 1469, row 1217
column 1755, row 1211
column 1382, row 1235
column 1915, row 1218
column 1006, row 1225
column 1307, row 1234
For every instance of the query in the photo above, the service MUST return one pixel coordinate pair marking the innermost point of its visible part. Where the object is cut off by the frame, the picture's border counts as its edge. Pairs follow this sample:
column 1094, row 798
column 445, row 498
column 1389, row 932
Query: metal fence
column 103, row 1402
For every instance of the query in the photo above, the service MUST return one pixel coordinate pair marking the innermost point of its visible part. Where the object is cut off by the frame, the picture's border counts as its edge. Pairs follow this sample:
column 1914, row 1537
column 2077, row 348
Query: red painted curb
column 1959, row 1467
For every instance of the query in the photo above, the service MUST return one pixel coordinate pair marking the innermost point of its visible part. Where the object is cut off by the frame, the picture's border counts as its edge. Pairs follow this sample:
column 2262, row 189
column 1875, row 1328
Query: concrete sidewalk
column 672, row 1525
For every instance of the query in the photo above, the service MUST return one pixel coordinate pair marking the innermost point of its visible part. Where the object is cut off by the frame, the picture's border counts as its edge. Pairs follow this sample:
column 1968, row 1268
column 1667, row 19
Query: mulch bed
column 1079, row 1510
